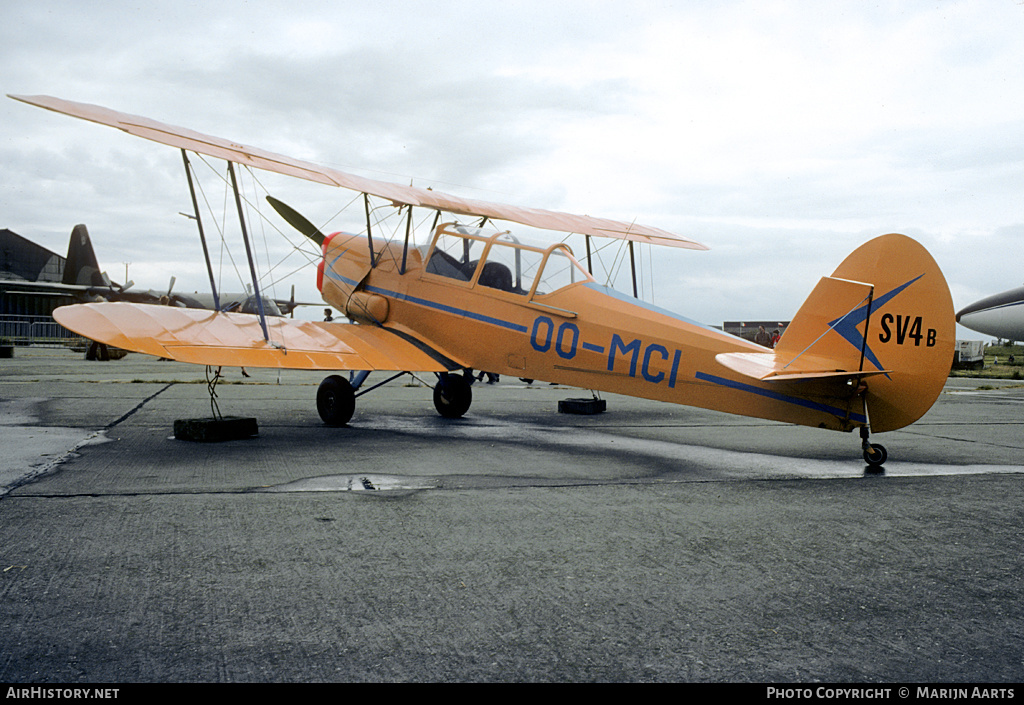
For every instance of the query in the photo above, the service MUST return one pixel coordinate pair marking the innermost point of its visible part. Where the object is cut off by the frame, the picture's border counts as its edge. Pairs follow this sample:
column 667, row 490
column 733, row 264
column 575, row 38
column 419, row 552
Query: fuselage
column 493, row 304
column 1000, row 315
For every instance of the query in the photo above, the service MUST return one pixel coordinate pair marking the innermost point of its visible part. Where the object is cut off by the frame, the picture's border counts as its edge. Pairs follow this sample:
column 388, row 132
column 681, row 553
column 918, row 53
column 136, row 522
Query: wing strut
column 369, row 231
column 632, row 267
column 248, row 253
column 202, row 235
column 405, row 249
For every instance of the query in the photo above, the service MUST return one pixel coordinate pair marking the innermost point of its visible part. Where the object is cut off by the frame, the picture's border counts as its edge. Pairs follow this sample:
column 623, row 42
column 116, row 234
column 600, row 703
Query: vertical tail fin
column 81, row 267
column 886, row 310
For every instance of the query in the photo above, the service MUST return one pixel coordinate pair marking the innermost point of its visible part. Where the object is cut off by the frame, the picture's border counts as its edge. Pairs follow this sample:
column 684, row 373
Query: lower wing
column 236, row 340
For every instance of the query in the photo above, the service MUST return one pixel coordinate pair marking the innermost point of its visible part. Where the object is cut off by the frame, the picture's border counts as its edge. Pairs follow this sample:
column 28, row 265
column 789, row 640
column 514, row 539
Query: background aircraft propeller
column 169, row 298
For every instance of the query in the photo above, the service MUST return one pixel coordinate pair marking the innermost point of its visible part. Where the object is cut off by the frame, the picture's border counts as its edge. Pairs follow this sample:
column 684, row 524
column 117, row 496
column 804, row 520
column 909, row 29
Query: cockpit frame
column 504, row 262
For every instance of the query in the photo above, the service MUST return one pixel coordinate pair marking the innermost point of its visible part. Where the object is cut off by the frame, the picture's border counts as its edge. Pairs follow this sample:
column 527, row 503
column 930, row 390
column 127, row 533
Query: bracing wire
column 212, row 377
column 831, row 327
column 219, row 224
column 380, row 216
column 263, row 235
column 251, row 204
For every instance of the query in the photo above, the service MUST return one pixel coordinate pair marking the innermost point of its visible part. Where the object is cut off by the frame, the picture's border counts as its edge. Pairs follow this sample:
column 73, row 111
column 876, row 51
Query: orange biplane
column 870, row 349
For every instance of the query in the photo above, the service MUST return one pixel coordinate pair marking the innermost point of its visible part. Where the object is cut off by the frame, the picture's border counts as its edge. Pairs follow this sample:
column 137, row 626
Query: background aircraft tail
column 887, row 312
column 81, row 267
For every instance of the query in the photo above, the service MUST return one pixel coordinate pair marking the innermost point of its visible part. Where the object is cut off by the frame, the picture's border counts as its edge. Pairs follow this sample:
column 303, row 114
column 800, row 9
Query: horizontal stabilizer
column 813, row 347
column 770, row 367
column 236, row 339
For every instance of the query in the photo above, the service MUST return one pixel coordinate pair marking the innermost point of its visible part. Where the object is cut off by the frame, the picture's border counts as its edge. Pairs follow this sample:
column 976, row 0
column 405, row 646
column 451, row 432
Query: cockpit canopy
column 501, row 261
column 250, row 305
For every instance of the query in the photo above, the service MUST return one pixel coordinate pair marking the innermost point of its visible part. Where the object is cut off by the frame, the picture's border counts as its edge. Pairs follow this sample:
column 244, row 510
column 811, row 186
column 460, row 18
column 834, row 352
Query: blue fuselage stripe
column 449, row 309
column 430, row 304
column 702, row 376
column 798, row 401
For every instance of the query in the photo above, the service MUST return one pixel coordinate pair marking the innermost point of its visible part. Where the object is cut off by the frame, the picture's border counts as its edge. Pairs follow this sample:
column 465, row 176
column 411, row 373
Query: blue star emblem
column 846, row 326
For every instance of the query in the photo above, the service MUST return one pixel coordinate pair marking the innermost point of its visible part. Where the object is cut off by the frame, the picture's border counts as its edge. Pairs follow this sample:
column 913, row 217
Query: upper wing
column 240, row 154
column 236, row 340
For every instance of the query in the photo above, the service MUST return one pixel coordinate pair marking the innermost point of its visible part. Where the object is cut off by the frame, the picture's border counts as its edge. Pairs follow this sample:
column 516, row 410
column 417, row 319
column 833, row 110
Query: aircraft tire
column 452, row 396
column 875, row 455
column 335, row 401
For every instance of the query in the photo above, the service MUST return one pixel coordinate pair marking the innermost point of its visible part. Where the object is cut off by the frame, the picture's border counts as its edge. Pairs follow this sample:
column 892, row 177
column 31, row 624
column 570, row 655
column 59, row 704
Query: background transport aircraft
column 870, row 349
column 84, row 280
column 1000, row 315
column 82, row 277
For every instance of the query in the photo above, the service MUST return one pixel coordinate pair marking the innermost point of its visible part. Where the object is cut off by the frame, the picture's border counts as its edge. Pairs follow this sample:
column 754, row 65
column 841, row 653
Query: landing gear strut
column 336, row 396
column 874, row 453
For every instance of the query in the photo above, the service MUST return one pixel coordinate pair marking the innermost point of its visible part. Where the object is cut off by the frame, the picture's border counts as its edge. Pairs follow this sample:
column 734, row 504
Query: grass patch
column 1003, row 369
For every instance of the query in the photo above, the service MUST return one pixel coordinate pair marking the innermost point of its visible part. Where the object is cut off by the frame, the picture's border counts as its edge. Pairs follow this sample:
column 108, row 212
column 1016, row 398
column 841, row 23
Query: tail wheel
column 452, row 396
column 875, row 454
column 335, row 401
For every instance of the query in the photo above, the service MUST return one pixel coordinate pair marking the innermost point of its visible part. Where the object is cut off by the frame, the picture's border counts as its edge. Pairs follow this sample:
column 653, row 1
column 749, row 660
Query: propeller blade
column 171, row 286
column 297, row 220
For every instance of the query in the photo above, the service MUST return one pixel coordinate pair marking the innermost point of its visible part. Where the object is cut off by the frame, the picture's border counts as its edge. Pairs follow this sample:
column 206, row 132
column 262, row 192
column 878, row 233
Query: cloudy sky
column 781, row 134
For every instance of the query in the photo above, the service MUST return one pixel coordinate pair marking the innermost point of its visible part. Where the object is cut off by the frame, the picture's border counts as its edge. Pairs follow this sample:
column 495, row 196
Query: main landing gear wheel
column 335, row 400
column 452, row 396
